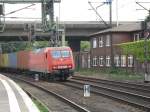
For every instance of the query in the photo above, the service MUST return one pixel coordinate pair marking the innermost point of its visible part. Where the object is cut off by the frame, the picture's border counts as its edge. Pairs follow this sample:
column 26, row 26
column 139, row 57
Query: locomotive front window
column 56, row 54
column 65, row 54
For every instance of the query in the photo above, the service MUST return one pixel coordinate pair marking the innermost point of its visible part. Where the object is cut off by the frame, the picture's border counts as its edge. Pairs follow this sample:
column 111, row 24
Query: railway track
column 129, row 85
column 41, row 87
column 37, row 99
column 135, row 88
column 135, row 94
column 95, row 103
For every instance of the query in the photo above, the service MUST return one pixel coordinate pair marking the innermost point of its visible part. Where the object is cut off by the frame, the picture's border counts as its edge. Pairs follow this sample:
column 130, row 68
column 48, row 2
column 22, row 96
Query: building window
column 101, row 41
column 83, row 61
column 101, row 59
column 89, row 61
column 94, row 43
column 95, row 61
column 108, row 61
column 107, row 40
column 123, row 60
column 136, row 37
column 130, row 61
column 116, row 60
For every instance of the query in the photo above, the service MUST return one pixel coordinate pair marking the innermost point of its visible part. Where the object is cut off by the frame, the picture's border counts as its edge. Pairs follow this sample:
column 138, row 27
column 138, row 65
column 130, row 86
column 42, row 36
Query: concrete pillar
column 75, row 45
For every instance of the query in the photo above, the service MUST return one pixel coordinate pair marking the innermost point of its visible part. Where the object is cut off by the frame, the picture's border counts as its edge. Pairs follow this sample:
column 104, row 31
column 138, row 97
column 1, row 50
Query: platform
column 13, row 98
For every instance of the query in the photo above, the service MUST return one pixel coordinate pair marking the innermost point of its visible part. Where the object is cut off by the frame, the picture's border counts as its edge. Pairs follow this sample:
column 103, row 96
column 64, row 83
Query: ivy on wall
column 136, row 49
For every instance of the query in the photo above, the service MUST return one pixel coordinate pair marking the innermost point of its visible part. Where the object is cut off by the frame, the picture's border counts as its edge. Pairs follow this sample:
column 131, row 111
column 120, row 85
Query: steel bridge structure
column 48, row 24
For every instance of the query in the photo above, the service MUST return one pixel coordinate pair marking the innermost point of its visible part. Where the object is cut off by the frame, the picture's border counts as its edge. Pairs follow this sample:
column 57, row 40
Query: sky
column 80, row 10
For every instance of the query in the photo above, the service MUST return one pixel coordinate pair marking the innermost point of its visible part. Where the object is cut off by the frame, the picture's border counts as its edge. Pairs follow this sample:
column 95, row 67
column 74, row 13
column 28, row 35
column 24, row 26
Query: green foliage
column 17, row 46
column 136, row 49
column 41, row 107
column 13, row 47
column 85, row 45
column 115, row 74
column 147, row 18
column 40, row 44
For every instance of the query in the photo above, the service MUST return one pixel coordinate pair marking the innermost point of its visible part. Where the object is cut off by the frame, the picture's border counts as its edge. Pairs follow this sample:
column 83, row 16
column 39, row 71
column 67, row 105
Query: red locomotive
column 50, row 62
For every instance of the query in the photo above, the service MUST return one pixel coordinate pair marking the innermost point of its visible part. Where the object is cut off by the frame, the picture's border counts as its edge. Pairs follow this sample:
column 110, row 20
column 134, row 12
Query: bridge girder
column 25, row 1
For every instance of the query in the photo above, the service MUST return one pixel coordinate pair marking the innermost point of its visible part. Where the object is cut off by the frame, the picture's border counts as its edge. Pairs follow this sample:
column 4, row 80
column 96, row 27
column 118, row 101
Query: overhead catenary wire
column 142, row 6
column 12, row 12
column 15, row 17
column 98, row 14
column 19, row 9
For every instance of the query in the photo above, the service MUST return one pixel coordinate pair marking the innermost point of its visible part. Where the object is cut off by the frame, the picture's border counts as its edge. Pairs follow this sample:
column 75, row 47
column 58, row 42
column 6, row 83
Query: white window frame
column 107, row 40
column 123, row 60
column 130, row 61
column 95, row 61
column 117, row 60
column 83, row 61
column 108, row 61
column 89, row 61
column 94, row 43
column 136, row 37
column 101, row 61
column 101, row 41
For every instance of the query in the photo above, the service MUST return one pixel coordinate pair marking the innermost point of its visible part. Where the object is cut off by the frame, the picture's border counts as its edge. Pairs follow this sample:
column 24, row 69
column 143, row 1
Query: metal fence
column 83, row 60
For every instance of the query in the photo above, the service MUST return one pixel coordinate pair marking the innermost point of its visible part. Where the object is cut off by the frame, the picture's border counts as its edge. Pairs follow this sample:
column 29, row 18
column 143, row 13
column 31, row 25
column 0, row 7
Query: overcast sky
column 78, row 10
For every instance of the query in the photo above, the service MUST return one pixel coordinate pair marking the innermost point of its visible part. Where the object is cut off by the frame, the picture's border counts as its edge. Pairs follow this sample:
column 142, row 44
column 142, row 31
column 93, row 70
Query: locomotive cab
column 60, row 62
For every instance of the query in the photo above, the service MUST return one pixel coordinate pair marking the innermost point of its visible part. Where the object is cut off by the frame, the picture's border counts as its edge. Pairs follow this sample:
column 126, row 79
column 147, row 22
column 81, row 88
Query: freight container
column 38, row 61
column 23, row 60
column 12, row 58
column 5, row 60
column 1, row 60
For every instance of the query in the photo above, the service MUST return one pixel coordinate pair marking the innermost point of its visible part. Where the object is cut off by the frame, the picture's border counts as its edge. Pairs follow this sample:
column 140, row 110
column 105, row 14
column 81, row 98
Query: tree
column 147, row 18
column 17, row 46
column 13, row 46
column 136, row 49
column 85, row 46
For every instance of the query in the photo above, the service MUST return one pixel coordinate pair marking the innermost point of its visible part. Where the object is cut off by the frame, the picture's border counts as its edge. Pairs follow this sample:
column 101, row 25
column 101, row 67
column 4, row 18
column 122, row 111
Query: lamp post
column 111, row 37
column 146, row 28
column 146, row 36
column 146, row 76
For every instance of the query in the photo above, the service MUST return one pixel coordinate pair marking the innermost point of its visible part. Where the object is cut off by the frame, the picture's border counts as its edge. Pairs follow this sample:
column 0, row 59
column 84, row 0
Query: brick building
column 104, row 49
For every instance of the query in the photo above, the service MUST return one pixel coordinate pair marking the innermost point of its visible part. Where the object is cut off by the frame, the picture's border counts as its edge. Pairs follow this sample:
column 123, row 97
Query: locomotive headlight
column 54, row 67
column 69, row 66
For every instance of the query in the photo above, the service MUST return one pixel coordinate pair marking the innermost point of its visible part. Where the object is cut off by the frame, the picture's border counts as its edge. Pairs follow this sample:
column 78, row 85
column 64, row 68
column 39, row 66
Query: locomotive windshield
column 58, row 54
column 65, row 54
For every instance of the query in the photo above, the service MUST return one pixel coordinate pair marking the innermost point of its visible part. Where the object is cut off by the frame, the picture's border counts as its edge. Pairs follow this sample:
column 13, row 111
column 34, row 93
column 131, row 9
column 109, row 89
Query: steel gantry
column 25, row 1
column 47, row 8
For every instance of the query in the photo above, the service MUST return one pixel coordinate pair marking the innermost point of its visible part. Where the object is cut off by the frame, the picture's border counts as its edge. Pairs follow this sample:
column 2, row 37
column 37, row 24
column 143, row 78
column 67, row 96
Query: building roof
column 121, row 28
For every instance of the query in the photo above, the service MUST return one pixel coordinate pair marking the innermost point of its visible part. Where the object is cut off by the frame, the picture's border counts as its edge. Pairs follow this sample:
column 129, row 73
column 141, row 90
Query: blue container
column 12, row 58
